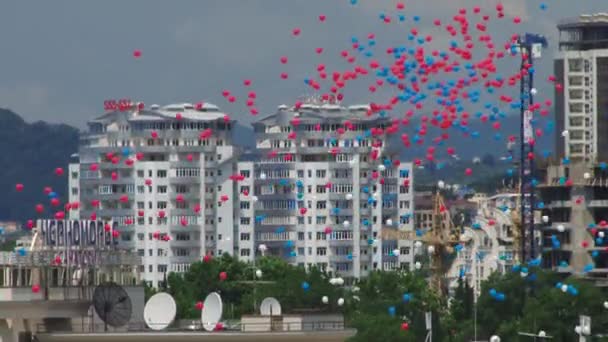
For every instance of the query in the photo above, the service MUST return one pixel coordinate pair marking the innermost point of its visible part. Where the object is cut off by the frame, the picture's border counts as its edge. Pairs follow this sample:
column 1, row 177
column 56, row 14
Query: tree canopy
column 379, row 304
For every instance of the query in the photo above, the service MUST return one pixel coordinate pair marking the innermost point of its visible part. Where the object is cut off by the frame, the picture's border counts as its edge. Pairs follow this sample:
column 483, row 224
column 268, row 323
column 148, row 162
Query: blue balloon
column 299, row 183
column 543, row 6
column 493, row 293
column 392, row 311
column 407, row 297
column 500, row 297
column 305, row 286
column 126, row 151
column 292, row 254
column 22, row 251
column 53, row 194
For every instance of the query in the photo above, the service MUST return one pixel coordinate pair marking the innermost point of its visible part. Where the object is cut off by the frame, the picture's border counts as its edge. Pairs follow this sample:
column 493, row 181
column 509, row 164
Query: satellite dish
column 270, row 307
column 212, row 311
column 112, row 304
column 160, row 311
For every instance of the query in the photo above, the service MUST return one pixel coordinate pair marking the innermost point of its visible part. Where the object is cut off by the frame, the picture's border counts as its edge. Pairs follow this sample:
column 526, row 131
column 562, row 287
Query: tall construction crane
column 530, row 47
column 443, row 236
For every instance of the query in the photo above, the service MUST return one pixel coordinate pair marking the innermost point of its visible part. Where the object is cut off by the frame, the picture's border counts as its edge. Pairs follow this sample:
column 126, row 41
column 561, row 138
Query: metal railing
column 272, row 326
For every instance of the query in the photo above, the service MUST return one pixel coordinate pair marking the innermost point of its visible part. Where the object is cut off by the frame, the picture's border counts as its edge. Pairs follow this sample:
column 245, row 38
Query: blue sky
column 61, row 59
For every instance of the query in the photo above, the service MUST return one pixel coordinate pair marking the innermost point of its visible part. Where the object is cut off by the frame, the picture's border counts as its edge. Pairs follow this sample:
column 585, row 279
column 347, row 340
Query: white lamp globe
column 262, row 176
column 545, row 218
column 533, row 91
column 586, row 175
column 417, row 244
column 346, row 224
column 262, row 247
column 542, row 333
column 418, row 265
column 431, row 249
column 389, row 222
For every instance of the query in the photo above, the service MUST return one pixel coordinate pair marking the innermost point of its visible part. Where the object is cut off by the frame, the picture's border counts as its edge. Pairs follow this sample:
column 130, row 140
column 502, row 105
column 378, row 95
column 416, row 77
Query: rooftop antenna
column 160, row 311
column 112, row 304
column 212, row 311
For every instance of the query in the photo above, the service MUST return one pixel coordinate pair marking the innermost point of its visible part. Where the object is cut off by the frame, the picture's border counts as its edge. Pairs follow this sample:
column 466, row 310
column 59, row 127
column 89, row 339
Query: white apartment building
column 581, row 65
column 164, row 174
column 320, row 189
column 489, row 245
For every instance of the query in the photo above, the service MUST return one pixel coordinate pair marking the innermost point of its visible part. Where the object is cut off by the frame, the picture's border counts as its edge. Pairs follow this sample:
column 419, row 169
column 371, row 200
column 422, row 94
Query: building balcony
column 598, row 203
column 340, row 243
column 184, row 180
column 559, row 204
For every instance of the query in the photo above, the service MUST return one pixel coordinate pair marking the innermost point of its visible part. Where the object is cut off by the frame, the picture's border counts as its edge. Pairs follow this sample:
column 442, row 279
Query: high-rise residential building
column 581, row 109
column 573, row 199
column 165, row 174
column 323, row 187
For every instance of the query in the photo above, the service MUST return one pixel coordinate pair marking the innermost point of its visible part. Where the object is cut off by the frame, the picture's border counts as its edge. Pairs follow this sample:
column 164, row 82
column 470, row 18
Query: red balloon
column 35, row 288
column 39, row 208
column 207, row 258
column 199, row 305
column 322, row 17
column 19, row 187
column 296, row 31
column 468, row 171
column 59, row 171
column 137, row 53
column 223, row 276
column 405, row 326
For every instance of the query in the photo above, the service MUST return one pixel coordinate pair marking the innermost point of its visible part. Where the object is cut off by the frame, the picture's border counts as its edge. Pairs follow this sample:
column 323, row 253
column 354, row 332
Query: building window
column 321, row 251
column 161, row 189
column 245, row 236
column 161, row 174
column 245, row 252
column 162, row 268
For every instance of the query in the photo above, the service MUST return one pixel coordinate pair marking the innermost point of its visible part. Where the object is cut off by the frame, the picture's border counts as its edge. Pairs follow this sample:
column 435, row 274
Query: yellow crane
column 443, row 236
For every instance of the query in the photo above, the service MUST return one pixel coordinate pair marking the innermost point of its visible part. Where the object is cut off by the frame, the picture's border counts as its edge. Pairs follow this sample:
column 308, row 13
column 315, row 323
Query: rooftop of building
column 584, row 20
column 313, row 110
column 188, row 112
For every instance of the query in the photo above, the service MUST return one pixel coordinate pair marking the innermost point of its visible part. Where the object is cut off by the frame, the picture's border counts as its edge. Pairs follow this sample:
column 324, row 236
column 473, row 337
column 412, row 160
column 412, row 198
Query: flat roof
column 296, row 336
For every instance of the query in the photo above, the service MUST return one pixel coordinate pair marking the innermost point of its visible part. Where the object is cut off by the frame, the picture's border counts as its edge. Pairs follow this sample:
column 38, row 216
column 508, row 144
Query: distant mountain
column 29, row 154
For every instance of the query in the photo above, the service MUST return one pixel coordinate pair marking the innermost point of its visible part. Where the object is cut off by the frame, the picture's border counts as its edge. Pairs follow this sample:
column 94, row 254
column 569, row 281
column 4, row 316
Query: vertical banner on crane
column 528, row 130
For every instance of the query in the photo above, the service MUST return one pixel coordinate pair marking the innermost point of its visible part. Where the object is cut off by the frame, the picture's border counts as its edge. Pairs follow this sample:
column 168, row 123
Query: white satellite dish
column 270, row 307
column 160, row 311
column 212, row 311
